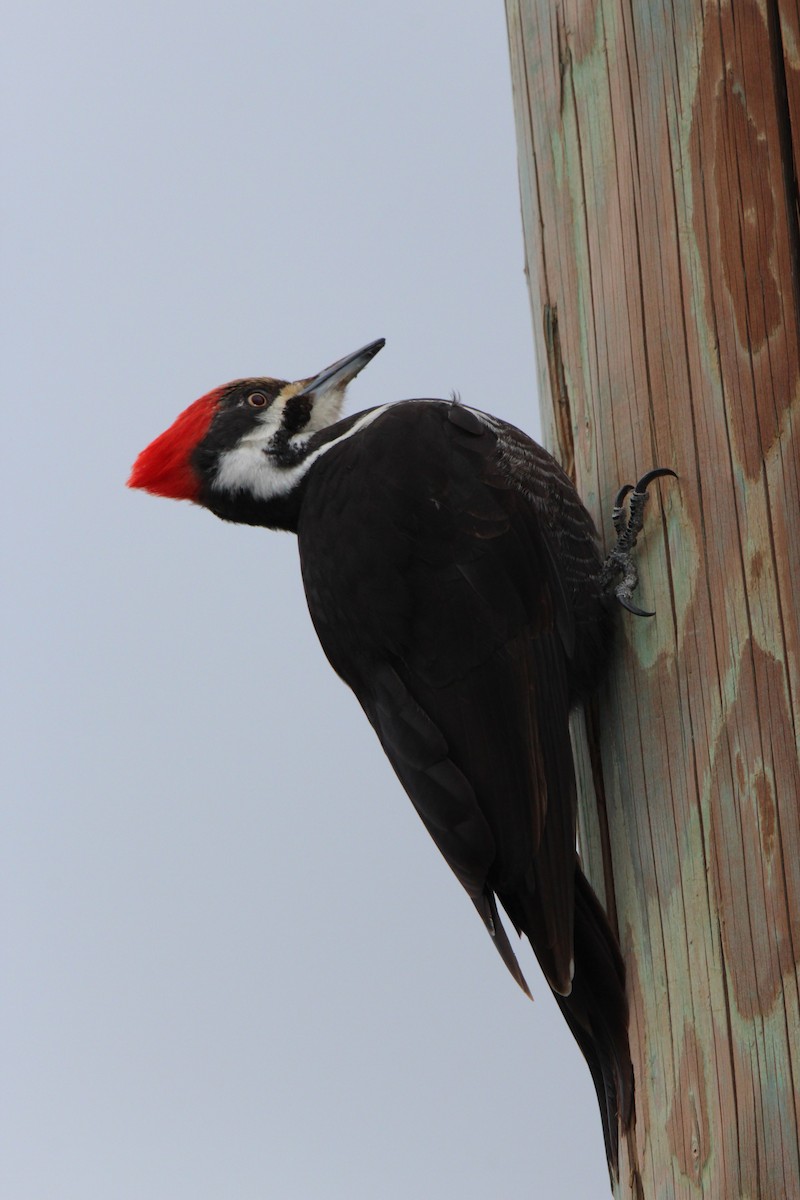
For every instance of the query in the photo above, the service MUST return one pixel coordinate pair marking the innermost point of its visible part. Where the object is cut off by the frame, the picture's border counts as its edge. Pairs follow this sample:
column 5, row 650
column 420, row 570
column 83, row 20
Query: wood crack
column 784, row 119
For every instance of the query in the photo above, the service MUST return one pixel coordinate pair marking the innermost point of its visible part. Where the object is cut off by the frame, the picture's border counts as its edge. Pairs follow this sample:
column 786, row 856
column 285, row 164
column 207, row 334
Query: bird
column 454, row 580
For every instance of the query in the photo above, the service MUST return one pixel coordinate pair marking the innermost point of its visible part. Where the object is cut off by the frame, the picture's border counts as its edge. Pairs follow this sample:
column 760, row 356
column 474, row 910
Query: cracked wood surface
column 658, row 145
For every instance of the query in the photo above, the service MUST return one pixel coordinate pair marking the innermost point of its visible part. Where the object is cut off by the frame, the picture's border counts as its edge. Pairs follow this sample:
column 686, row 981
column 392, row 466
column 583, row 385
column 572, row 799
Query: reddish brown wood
column 659, row 145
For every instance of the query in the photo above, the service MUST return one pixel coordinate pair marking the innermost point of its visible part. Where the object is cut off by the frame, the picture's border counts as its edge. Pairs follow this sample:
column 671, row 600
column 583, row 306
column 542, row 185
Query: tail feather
column 595, row 1008
column 486, row 905
column 596, row 1011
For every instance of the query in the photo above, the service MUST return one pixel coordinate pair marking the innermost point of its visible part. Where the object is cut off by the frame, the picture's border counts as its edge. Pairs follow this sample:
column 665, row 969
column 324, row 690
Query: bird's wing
column 456, row 650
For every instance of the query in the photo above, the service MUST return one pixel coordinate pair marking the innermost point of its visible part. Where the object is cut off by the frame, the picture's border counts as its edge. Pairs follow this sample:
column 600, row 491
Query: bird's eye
column 257, row 400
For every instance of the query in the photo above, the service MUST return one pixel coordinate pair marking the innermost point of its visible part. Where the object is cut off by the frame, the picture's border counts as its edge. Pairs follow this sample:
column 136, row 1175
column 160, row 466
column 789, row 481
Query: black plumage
column 453, row 577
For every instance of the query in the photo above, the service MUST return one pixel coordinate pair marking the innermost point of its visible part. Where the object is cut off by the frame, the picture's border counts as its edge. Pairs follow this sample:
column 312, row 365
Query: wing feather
column 460, row 660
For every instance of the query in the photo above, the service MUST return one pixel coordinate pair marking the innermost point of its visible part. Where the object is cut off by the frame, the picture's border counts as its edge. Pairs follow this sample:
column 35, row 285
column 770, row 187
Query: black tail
column 597, row 1013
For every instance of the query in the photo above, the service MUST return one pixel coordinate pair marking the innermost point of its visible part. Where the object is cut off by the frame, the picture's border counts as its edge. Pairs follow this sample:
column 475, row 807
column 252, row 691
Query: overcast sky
column 234, row 963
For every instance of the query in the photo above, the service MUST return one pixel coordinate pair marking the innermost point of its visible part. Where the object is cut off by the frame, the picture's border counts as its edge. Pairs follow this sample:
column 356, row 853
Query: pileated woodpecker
column 453, row 577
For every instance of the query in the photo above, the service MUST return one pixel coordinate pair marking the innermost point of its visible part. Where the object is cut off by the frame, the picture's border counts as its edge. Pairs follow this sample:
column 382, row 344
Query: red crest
column 164, row 467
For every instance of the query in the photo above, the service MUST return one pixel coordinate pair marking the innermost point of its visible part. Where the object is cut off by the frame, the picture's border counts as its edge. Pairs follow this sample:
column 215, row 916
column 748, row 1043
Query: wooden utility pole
column 658, row 146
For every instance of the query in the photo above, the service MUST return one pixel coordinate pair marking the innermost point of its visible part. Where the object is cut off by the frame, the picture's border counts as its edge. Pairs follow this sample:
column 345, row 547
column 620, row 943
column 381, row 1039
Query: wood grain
column 659, row 145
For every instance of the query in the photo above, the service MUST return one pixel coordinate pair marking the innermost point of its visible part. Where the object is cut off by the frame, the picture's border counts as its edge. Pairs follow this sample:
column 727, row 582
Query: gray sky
column 218, row 982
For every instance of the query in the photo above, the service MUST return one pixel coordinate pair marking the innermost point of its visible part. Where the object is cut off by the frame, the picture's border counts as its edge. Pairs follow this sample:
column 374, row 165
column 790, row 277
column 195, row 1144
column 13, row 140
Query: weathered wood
column 658, row 145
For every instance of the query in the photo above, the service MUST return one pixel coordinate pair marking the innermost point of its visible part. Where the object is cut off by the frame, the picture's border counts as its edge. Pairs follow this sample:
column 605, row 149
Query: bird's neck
column 266, row 487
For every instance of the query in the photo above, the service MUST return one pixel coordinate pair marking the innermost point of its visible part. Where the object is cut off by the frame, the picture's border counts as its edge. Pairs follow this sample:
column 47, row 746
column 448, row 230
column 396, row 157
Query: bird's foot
column 620, row 561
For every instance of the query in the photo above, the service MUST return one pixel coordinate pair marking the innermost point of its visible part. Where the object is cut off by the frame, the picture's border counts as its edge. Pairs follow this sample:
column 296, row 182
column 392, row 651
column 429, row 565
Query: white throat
column 252, row 467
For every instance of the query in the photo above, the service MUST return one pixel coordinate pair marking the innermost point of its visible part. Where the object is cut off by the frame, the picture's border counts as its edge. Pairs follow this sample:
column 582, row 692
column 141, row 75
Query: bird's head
column 245, row 442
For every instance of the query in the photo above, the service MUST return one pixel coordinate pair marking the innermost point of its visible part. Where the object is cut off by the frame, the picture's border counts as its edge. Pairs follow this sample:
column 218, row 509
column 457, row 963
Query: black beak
column 339, row 374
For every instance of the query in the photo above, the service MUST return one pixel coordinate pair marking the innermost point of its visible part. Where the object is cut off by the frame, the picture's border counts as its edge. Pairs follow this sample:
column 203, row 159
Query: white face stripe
column 248, row 467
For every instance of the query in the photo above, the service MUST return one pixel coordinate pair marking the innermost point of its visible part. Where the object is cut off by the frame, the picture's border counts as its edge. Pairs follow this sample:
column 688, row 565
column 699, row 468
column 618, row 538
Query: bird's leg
column 620, row 561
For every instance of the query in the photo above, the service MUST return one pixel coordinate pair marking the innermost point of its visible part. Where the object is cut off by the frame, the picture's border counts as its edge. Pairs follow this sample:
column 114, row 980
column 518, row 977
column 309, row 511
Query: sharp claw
column 643, row 484
column 628, row 527
column 620, row 561
column 637, row 612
